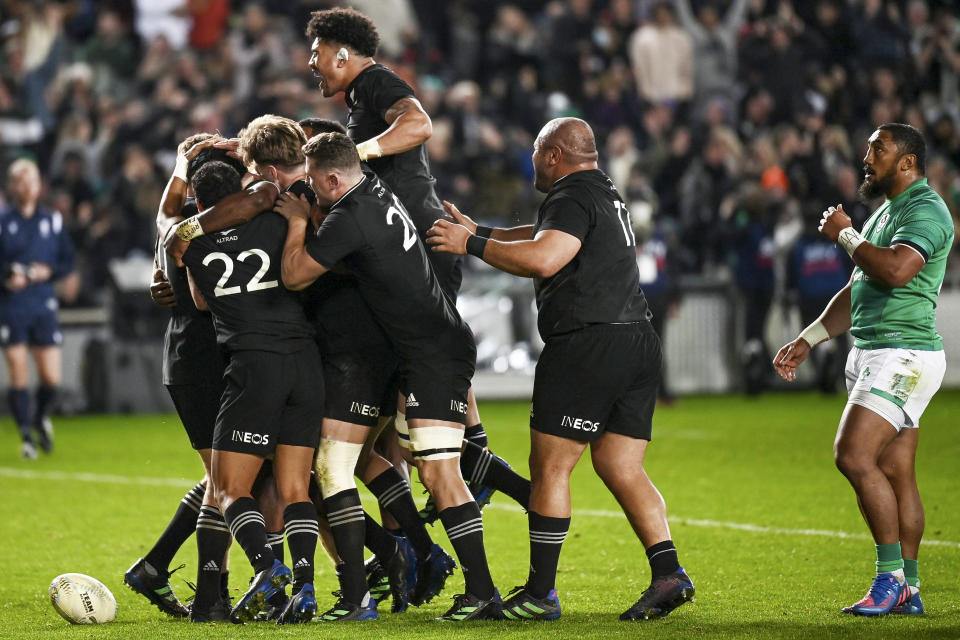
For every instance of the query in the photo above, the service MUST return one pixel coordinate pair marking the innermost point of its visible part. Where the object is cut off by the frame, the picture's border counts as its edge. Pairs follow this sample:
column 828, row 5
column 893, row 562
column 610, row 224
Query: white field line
column 27, row 474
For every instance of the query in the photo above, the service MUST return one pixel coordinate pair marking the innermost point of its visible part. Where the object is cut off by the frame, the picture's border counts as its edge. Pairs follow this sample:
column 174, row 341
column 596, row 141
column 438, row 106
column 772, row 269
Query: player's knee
column 851, row 463
column 335, row 466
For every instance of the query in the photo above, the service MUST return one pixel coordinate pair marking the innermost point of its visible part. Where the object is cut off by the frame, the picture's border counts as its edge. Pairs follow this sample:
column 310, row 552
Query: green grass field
column 767, row 528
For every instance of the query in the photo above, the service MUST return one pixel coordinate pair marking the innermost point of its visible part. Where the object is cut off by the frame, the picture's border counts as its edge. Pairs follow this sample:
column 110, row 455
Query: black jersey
column 407, row 174
column 370, row 232
column 238, row 272
column 601, row 284
column 190, row 351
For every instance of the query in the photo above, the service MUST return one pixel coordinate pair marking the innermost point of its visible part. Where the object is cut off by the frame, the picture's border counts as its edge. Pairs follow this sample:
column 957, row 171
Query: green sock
column 889, row 558
column 911, row 569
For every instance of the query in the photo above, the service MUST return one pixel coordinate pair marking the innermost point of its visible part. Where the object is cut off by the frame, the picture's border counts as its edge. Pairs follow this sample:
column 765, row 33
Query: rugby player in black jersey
column 597, row 378
column 369, row 232
column 193, row 375
column 389, row 126
column 271, row 401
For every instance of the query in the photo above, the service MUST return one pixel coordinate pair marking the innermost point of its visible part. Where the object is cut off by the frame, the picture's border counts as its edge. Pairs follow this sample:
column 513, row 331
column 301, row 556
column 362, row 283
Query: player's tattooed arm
column 409, row 126
column 298, row 269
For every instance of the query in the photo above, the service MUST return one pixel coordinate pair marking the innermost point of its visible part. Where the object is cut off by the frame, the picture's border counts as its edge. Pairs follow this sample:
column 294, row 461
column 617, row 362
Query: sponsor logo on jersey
column 412, row 401
column 227, row 238
column 364, row 409
column 249, row 437
column 581, row 424
column 459, row 407
column 882, row 221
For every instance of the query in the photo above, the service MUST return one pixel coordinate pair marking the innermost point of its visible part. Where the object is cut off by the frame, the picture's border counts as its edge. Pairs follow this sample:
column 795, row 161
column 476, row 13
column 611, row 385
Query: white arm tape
column 436, row 443
column 369, row 150
column 335, row 466
column 180, row 168
column 850, row 239
column 815, row 334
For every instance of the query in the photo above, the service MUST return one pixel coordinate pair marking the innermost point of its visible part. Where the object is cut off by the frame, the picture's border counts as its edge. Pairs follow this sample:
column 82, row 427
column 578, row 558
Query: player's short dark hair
column 348, row 27
column 322, row 125
column 909, row 141
column 214, row 181
column 212, row 154
column 332, row 151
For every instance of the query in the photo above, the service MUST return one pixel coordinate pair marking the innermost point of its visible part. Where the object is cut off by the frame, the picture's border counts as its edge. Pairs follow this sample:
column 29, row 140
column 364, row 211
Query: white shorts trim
column 896, row 384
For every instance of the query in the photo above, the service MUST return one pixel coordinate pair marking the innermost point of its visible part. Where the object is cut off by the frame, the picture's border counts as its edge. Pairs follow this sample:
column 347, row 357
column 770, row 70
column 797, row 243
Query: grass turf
column 767, row 528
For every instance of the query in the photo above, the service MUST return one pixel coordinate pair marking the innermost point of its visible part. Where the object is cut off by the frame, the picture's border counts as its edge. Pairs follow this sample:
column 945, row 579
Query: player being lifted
column 597, row 378
column 271, row 402
column 390, row 127
column 368, row 230
column 897, row 361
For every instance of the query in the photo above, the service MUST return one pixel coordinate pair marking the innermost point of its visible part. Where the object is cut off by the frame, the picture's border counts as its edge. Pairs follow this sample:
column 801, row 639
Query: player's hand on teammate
column 450, row 234
column 230, row 144
column 834, row 221
column 192, row 152
column 789, row 358
column 175, row 246
column 291, row 206
column 160, row 290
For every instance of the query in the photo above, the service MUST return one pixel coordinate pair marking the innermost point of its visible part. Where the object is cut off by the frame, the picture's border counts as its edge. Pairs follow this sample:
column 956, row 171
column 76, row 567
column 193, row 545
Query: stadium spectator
column 661, row 55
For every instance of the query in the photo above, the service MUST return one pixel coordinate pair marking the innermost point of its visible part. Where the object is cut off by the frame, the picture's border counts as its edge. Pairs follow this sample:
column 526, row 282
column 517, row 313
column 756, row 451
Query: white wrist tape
column 180, row 169
column 190, row 228
column 369, row 150
column 815, row 334
column 335, row 466
column 435, row 443
column 849, row 239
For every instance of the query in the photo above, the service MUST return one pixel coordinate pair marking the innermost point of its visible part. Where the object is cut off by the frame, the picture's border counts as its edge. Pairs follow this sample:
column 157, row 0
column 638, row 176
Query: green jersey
column 904, row 317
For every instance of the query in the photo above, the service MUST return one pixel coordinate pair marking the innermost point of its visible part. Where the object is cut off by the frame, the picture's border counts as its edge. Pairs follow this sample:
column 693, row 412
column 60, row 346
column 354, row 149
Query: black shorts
column 357, row 383
column 271, row 399
column 198, row 405
column 600, row 378
column 436, row 386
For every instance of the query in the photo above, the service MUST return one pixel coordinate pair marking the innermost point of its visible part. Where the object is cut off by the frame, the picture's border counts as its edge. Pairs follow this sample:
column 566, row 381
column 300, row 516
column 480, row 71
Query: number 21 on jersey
column 255, row 283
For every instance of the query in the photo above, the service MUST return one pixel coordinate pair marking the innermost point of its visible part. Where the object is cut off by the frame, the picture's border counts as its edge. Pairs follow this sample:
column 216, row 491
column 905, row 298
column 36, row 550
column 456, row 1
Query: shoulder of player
column 925, row 204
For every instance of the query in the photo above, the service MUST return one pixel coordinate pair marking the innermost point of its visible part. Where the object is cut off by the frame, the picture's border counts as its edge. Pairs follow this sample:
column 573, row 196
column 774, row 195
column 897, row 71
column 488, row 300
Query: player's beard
column 875, row 186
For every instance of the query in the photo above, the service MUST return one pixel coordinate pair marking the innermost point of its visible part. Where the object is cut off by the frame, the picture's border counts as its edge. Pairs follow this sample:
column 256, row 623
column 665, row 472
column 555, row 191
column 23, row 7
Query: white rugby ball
column 81, row 599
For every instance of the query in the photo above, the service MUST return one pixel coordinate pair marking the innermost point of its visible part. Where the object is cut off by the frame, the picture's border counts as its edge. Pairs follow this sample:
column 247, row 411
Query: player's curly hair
column 214, row 181
column 348, row 27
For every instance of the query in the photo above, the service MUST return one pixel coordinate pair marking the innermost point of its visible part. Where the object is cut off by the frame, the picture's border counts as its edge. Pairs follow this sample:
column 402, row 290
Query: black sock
column 43, row 400
column 19, row 401
column 476, row 435
column 275, row 540
column 479, row 466
column 346, row 519
column 546, row 538
column 464, row 527
column 183, row 524
column 378, row 540
column 225, row 584
column 300, row 525
column 213, row 538
column 246, row 525
column 663, row 558
column 394, row 495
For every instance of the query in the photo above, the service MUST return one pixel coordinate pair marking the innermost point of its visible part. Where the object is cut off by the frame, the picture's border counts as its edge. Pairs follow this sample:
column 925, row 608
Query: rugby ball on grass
column 81, row 599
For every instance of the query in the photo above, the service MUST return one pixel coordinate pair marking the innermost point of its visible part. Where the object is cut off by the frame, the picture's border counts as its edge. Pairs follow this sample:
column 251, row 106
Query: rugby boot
column 44, row 429
column 401, row 572
column 263, row 587
column 155, row 588
column 301, row 608
column 378, row 583
column 885, row 593
column 469, row 607
column 912, row 607
column 217, row 612
column 520, row 605
column 433, row 575
column 345, row 611
column 664, row 594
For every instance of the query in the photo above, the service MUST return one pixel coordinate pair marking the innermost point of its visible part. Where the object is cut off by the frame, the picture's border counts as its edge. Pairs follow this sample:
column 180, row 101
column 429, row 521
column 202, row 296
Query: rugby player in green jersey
column 897, row 362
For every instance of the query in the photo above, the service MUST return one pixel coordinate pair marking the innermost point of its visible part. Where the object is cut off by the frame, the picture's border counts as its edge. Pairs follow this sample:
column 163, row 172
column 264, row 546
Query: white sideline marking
column 104, row 478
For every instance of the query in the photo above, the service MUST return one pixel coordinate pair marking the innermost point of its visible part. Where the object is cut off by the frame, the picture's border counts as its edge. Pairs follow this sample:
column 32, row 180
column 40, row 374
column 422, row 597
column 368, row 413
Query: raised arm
column 409, row 127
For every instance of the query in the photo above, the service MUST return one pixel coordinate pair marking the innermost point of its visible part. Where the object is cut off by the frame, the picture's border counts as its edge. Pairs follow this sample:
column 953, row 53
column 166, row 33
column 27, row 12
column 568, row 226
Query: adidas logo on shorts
column 412, row 401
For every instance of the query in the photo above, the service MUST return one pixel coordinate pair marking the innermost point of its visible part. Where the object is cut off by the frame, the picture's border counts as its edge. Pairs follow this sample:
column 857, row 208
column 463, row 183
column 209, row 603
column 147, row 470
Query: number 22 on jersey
column 255, row 283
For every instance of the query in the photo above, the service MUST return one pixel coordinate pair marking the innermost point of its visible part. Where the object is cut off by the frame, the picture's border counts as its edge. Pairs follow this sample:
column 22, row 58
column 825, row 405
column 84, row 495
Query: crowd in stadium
column 721, row 120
